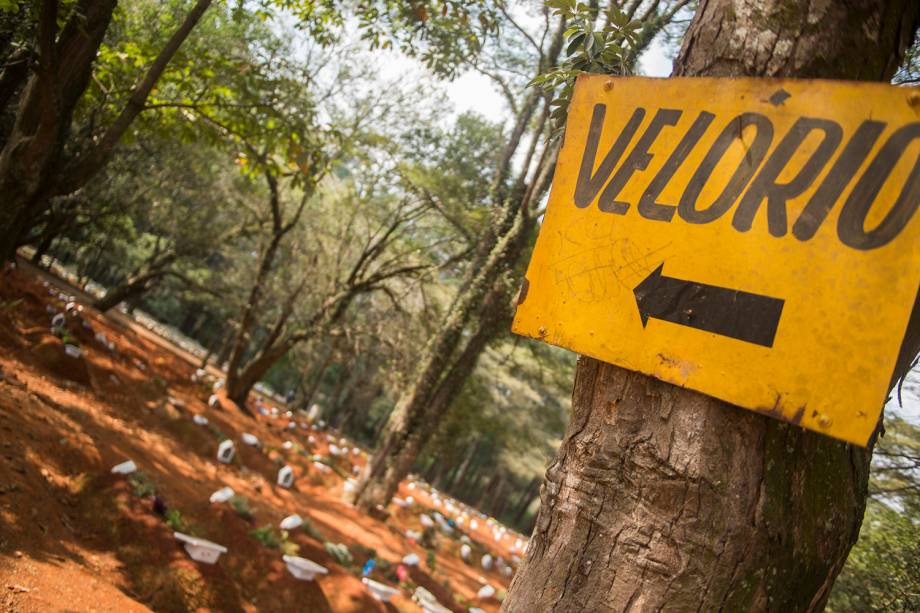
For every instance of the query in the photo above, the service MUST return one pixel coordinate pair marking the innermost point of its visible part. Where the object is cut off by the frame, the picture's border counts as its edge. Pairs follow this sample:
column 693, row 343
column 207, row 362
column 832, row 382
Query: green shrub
column 267, row 535
column 141, row 485
column 175, row 521
column 340, row 552
column 240, row 506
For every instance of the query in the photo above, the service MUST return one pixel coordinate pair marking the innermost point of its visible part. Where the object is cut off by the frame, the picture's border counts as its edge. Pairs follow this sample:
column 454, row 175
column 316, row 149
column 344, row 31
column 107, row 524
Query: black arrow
column 741, row 315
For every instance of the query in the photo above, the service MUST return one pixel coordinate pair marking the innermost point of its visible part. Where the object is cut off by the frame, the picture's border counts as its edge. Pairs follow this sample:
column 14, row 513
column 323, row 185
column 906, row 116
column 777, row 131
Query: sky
column 474, row 92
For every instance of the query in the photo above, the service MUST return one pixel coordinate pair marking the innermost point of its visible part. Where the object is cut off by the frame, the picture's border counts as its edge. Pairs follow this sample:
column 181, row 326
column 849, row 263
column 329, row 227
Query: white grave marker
column 303, row 569
column 125, row 468
column 222, row 495
column 381, row 592
column 286, row 477
column 200, row 550
column 226, row 451
column 291, row 522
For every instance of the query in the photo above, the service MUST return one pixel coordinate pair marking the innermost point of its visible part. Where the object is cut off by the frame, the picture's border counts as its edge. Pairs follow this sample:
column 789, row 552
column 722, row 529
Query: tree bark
column 46, row 105
column 31, row 167
column 414, row 422
column 663, row 498
column 138, row 283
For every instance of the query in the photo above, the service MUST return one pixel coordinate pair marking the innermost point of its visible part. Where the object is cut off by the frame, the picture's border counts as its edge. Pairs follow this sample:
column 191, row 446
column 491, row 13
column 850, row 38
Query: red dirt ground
column 74, row 537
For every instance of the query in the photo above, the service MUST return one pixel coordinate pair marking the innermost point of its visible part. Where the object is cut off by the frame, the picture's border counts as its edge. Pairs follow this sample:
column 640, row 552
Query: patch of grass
column 141, row 485
column 274, row 538
column 340, row 552
column 240, row 506
column 175, row 521
column 66, row 337
column 312, row 531
column 388, row 571
column 267, row 535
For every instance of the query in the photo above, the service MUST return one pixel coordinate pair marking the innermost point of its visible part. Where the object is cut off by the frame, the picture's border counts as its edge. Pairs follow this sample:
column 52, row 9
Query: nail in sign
column 752, row 239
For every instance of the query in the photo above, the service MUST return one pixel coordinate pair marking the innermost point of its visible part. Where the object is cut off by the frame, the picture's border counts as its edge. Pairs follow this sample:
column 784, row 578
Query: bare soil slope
column 75, row 537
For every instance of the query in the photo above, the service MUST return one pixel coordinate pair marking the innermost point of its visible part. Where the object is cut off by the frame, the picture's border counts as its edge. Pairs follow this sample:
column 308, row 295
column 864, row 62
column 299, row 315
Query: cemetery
column 142, row 485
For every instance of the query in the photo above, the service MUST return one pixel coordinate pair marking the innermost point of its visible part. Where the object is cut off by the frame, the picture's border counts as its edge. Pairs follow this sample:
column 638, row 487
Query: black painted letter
column 752, row 159
column 637, row 159
column 776, row 194
column 851, row 225
column 589, row 182
column 823, row 200
column 650, row 209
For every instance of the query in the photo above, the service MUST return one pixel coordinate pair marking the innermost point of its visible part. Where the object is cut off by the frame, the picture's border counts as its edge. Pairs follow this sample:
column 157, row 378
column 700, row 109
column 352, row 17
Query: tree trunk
column 247, row 320
column 31, row 167
column 663, row 498
column 240, row 380
column 51, row 231
column 33, row 148
column 412, row 425
column 457, row 475
column 419, row 410
column 253, row 372
column 131, row 288
column 136, row 285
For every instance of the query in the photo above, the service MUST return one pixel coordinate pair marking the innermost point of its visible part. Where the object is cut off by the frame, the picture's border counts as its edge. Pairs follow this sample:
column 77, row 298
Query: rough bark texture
column 663, row 498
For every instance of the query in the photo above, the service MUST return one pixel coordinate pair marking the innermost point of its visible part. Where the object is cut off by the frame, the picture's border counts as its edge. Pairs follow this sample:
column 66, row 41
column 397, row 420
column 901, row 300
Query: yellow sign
column 755, row 240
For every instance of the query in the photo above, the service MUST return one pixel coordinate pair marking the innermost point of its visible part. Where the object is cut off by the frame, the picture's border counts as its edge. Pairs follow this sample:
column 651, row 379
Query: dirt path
column 73, row 536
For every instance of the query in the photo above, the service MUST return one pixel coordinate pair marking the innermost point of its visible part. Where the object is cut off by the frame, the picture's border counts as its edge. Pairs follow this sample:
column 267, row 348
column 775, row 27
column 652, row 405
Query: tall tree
column 33, row 164
column 660, row 497
column 38, row 159
column 481, row 309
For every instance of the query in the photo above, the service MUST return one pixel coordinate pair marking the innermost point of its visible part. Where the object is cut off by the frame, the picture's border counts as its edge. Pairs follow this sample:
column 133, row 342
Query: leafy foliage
column 881, row 573
column 175, row 521
column 340, row 552
column 142, row 486
column 268, row 535
column 241, row 506
column 608, row 49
